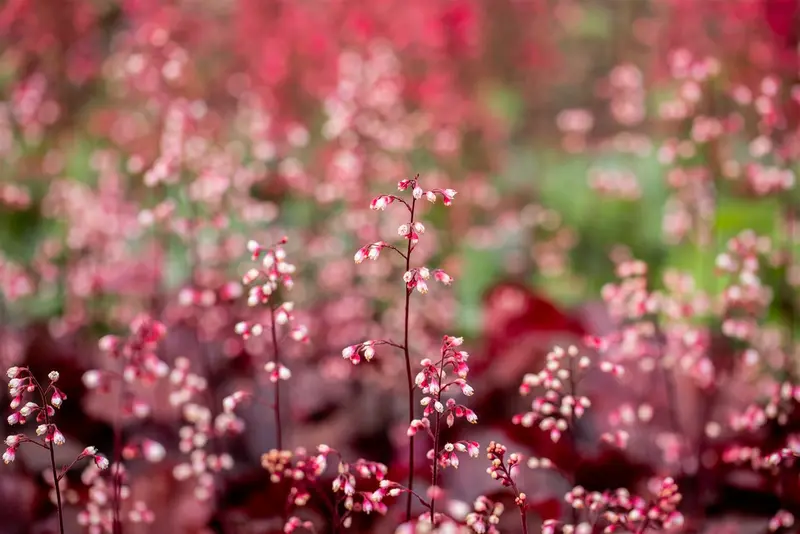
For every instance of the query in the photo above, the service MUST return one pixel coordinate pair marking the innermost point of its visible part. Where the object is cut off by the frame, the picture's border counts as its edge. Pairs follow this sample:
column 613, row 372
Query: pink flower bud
column 101, row 461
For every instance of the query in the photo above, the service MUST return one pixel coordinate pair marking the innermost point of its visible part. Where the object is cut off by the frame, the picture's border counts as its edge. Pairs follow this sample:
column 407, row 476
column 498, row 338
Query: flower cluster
column 305, row 472
column 273, row 273
column 619, row 509
column 560, row 404
column 138, row 359
column 43, row 410
column 434, row 382
column 202, row 431
column 98, row 514
column 364, row 350
column 485, row 516
column 414, row 278
column 745, row 298
column 22, row 382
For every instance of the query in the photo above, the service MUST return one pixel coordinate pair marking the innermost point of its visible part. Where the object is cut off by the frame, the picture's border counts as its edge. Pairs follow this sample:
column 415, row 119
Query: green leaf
column 481, row 268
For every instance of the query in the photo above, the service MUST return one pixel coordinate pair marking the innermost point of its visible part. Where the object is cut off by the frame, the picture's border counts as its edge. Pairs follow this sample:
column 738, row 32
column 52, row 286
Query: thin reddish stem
column 116, row 483
column 51, row 448
column 410, row 377
column 276, row 359
column 436, row 431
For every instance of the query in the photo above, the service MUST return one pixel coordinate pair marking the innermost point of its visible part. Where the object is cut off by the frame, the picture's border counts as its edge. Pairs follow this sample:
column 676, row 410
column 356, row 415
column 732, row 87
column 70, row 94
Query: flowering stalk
column 414, row 278
column 504, row 472
column 273, row 274
column 407, row 356
column 138, row 361
column 433, row 381
column 276, row 362
column 22, row 381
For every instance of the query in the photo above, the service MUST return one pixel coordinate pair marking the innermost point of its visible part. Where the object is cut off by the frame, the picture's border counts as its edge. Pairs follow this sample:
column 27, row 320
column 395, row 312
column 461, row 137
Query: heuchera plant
column 415, row 278
column 387, row 80
column 31, row 401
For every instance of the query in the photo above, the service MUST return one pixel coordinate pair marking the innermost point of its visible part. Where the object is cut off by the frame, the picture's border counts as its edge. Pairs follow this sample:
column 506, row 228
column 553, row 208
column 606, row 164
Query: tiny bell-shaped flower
column 53, row 376
column 101, row 461
column 442, row 277
column 28, row 409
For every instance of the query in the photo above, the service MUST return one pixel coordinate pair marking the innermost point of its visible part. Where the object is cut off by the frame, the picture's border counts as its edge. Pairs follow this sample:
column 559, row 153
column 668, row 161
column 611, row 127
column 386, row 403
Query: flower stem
column 524, row 518
column 116, row 481
column 58, row 489
column 276, row 359
column 436, row 431
column 276, row 406
column 408, row 372
column 51, row 447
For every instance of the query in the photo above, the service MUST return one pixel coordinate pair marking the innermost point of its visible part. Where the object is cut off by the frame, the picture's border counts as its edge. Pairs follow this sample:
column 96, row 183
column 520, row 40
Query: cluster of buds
column 200, row 434
column 448, row 456
column 417, row 278
column 206, row 298
column 371, row 251
column 353, row 499
column 294, row 465
column 304, row 471
column 22, row 381
column 625, row 416
column 621, row 510
column 485, row 516
column 294, row 523
column 417, row 192
column 782, row 519
column 765, row 180
column 365, row 350
column 630, row 302
column 197, row 440
column 781, row 405
column 745, row 298
column 629, row 298
column 186, row 385
column 433, row 380
column 560, row 405
column 97, row 515
column 137, row 354
column 502, row 469
column 786, row 456
column 412, row 230
column 273, row 273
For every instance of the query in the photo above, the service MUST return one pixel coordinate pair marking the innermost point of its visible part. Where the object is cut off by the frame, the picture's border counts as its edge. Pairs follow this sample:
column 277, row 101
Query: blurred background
column 144, row 142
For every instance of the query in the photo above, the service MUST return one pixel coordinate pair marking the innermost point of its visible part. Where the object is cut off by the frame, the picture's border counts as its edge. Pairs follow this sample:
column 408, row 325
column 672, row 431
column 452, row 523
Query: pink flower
column 101, row 461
